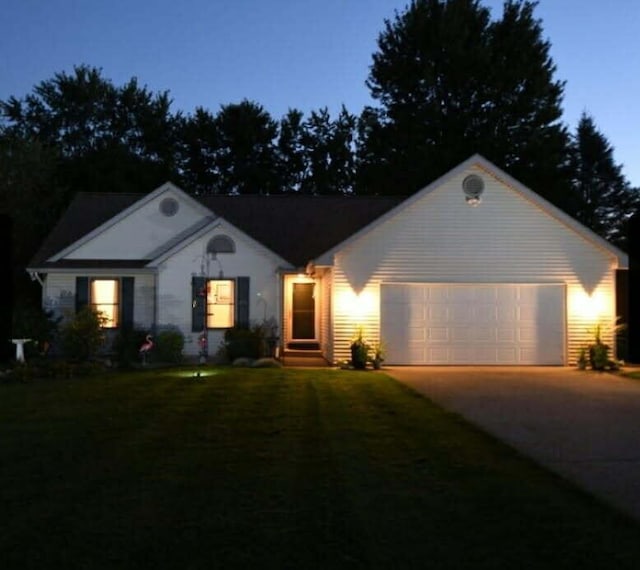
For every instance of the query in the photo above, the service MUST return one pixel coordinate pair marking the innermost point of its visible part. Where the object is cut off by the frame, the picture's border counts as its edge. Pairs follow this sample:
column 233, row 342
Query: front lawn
column 277, row 468
column 632, row 373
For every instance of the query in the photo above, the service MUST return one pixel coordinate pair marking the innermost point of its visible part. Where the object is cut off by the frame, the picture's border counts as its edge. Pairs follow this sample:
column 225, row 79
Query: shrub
column 359, row 350
column 243, row 343
column 168, row 346
column 82, row 336
column 598, row 351
column 126, row 346
column 37, row 324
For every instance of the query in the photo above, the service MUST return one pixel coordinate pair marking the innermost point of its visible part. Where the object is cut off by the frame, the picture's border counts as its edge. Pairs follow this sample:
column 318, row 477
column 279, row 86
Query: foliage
column 126, row 346
column 108, row 137
column 242, row 343
column 605, row 199
column 328, row 152
column 254, row 342
column 582, row 359
column 37, row 324
column 168, row 346
column 450, row 83
column 377, row 354
column 246, row 160
column 597, row 352
column 360, row 350
column 82, row 335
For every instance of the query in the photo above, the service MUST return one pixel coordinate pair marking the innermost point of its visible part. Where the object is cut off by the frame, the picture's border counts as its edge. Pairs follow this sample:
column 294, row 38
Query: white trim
column 213, row 224
column 289, row 281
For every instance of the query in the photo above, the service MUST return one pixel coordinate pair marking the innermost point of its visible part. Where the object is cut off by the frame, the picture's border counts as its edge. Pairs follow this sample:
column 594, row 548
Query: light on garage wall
column 356, row 306
column 590, row 307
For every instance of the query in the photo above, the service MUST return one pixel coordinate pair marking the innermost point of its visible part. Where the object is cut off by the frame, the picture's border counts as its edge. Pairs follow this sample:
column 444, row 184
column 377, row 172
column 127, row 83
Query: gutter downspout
column 35, row 276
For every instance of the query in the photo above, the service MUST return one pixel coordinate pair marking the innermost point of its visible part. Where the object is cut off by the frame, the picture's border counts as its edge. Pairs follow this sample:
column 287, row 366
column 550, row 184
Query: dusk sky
column 302, row 54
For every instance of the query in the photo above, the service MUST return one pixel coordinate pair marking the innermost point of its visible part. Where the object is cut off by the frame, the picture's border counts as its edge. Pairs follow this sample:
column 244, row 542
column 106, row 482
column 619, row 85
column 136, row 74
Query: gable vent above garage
column 473, row 186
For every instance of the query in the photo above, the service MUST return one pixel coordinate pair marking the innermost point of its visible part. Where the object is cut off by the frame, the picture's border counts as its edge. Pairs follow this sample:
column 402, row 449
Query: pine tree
column 606, row 199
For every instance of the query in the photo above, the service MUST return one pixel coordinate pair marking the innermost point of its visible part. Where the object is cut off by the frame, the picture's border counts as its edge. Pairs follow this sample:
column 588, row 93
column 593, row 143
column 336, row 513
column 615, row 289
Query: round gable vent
column 473, row 186
column 169, row 206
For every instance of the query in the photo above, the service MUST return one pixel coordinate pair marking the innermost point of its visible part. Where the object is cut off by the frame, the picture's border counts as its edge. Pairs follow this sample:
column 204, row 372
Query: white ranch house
column 473, row 269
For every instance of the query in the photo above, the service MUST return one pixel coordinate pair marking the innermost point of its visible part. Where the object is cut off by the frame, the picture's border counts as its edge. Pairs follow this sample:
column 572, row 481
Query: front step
column 311, row 358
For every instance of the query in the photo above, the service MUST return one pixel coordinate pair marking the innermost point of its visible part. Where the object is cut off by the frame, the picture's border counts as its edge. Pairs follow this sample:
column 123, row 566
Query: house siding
column 249, row 260
column 58, row 294
column 140, row 233
column 439, row 238
column 326, row 338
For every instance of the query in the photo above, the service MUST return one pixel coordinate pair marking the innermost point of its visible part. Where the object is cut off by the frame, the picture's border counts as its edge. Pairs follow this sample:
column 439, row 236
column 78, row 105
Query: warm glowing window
column 105, row 298
column 220, row 303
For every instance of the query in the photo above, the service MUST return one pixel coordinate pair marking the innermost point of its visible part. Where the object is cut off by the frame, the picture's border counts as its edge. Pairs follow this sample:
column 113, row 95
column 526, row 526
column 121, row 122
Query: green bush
column 168, row 346
column 360, row 349
column 37, row 324
column 126, row 346
column 243, row 343
column 599, row 356
column 82, row 336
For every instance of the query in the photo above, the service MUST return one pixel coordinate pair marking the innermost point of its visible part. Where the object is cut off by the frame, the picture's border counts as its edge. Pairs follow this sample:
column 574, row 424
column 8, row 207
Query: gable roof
column 297, row 228
column 493, row 170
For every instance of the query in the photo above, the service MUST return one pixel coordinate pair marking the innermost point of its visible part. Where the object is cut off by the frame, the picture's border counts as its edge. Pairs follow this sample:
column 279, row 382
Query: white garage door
column 473, row 323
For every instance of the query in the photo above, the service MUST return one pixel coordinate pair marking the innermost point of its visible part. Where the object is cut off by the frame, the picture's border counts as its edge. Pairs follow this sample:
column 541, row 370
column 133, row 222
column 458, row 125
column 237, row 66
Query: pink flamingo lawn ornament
column 146, row 347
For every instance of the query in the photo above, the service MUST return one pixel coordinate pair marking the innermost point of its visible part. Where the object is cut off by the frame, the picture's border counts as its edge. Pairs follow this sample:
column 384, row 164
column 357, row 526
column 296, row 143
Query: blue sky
column 303, row 54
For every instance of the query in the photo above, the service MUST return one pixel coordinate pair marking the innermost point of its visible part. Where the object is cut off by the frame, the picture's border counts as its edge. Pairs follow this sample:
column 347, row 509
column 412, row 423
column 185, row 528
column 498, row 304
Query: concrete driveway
column 583, row 425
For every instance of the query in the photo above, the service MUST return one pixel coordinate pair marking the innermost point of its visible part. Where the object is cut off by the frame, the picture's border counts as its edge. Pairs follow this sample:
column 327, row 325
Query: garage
column 452, row 323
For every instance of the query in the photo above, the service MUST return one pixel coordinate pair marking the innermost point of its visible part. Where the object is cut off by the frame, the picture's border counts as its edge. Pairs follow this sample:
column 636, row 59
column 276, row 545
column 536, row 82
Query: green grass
column 277, row 468
column 635, row 374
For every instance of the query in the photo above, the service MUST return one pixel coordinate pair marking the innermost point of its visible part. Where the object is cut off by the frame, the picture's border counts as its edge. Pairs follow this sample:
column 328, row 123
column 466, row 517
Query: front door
column 303, row 312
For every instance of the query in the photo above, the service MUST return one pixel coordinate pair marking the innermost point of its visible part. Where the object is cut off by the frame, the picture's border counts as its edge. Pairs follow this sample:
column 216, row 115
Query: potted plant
column 377, row 357
column 359, row 351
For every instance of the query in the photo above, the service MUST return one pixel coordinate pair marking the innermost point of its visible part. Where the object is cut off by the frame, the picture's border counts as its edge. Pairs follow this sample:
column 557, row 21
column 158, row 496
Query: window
column 220, row 303
column 221, row 244
column 105, row 298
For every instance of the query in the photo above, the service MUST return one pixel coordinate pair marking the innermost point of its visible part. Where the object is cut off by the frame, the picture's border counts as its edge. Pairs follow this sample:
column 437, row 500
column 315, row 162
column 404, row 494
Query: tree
column 328, row 146
column 247, row 158
column 32, row 197
column 199, row 149
column 451, row 83
column 108, row 138
column 293, row 158
column 606, row 199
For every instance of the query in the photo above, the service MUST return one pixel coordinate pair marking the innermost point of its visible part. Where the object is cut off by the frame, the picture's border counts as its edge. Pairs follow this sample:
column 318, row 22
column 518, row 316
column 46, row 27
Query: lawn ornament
column 146, row 347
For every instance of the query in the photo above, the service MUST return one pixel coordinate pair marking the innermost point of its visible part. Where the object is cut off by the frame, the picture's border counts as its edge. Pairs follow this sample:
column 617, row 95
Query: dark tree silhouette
column 451, row 82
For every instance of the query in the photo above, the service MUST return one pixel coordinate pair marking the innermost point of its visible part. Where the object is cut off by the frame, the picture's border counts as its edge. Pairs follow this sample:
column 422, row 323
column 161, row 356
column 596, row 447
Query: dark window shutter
column 127, row 302
column 242, row 302
column 82, row 292
column 198, row 303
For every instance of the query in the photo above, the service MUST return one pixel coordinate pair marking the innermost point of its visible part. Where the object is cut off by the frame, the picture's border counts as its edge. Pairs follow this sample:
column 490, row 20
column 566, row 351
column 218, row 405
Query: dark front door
column 303, row 309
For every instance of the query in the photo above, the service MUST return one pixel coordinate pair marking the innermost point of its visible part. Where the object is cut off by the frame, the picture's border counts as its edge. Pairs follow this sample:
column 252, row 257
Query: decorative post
column 203, row 342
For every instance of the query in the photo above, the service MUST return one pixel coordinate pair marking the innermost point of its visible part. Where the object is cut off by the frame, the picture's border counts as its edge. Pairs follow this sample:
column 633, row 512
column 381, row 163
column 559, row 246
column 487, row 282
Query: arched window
column 221, row 244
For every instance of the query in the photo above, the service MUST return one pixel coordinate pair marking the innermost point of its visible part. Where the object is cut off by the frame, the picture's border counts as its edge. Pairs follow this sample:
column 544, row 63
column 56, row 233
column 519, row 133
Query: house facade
column 473, row 269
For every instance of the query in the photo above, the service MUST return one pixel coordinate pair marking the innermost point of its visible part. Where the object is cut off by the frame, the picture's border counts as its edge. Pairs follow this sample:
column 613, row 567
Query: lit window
column 220, row 303
column 105, row 298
